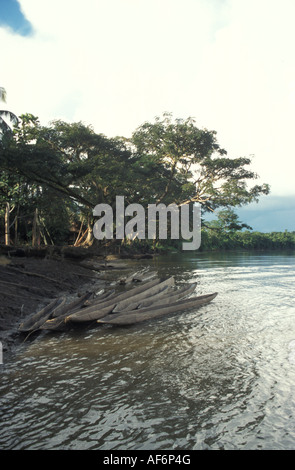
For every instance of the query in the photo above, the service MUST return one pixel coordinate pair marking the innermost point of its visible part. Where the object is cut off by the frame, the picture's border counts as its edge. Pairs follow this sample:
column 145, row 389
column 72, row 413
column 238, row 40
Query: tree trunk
column 16, row 227
column 36, row 231
column 7, row 231
column 90, row 237
column 77, row 241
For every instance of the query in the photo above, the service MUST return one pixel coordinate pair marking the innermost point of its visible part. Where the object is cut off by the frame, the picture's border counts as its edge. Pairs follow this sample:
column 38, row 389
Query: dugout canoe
column 41, row 316
column 61, row 322
column 132, row 305
column 171, row 298
column 144, row 314
column 55, row 310
column 56, row 321
column 73, row 305
column 125, row 294
column 158, row 289
column 100, row 296
column 168, row 296
column 100, row 310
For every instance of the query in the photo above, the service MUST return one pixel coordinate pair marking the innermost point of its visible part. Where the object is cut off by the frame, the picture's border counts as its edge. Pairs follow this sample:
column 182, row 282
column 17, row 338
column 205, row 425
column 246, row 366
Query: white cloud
column 118, row 63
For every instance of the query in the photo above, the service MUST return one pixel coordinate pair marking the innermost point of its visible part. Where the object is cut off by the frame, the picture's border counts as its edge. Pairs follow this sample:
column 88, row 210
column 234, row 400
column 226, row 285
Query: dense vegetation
column 51, row 178
column 226, row 232
column 247, row 241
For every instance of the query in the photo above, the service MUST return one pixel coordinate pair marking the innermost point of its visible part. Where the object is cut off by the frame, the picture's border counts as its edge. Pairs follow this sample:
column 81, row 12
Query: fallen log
column 21, row 295
column 29, row 273
column 22, row 286
column 140, row 276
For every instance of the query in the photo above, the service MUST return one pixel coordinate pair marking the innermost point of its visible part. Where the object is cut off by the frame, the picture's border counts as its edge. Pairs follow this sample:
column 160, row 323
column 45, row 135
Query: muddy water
column 221, row 377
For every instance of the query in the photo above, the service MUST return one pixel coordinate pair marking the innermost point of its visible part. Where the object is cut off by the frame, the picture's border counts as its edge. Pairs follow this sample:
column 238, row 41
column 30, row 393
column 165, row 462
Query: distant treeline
column 246, row 240
column 223, row 240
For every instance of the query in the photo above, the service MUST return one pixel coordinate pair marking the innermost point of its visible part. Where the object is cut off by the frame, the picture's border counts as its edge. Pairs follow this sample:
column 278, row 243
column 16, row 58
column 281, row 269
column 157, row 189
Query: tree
column 60, row 172
column 228, row 221
column 7, row 118
column 193, row 166
column 72, row 161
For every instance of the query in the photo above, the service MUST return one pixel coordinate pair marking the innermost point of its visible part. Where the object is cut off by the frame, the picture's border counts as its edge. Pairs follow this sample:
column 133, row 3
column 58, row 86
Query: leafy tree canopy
column 196, row 168
column 164, row 161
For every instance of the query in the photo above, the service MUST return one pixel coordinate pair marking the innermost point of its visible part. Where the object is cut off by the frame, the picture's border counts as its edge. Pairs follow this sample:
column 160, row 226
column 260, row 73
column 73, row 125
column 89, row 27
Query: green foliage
column 195, row 167
column 65, row 169
column 213, row 241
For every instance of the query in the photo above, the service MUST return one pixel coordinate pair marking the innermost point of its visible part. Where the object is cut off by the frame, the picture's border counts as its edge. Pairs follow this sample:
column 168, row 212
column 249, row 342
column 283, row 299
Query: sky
column 115, row 64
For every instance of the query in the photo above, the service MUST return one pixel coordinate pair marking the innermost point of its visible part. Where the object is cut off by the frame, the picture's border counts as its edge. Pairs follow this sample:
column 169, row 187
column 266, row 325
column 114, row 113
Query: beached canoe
column 56, row 321
column 56, row 309
column 170, row 297
column 132, row 305
column 100, row 310
column 157, row 289
column 41, row 316
column 144, row 314
column 72, row 306
column 124, row 294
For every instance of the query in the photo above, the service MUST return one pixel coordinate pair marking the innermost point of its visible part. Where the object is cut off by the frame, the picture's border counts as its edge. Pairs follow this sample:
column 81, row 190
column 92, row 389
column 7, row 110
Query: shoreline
column 27, row 284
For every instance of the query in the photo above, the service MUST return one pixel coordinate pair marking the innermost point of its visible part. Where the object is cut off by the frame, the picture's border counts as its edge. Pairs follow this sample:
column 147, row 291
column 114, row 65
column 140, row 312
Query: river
column 220, row 377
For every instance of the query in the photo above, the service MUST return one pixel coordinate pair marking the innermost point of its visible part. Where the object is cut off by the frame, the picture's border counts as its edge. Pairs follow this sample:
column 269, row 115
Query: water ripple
column 221, row 377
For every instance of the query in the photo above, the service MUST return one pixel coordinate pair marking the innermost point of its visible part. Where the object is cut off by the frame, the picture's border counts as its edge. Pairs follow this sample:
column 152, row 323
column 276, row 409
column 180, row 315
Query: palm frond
column 8, row 116
column 2, row 94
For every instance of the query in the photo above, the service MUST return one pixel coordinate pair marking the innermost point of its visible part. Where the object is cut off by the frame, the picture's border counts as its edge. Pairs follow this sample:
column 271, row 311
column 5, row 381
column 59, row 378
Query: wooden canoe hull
column 141, row 315
column 36, row 320
column 98, row 311
column 169, row 297
column 145, row 294
column 151, row 299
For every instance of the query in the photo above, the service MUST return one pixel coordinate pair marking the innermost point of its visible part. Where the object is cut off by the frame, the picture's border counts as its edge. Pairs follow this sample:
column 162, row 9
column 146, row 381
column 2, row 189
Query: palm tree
column 7, row 118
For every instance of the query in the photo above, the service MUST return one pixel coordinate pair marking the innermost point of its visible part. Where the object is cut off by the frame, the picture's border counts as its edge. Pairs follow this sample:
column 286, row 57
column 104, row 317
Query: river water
column 220, row 377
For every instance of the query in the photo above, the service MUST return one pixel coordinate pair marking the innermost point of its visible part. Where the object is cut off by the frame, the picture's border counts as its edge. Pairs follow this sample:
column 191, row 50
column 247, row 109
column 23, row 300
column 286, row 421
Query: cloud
column 12, row 18
column 127, row 60
column 252, row 100
column 273, row 213
column 118, row 63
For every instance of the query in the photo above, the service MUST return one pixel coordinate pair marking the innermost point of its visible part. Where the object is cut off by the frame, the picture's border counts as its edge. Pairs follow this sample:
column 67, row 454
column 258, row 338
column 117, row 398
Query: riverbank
column 29, row 283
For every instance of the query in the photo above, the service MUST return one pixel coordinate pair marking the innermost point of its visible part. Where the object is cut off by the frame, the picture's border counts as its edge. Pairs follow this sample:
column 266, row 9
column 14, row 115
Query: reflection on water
column 221, row 377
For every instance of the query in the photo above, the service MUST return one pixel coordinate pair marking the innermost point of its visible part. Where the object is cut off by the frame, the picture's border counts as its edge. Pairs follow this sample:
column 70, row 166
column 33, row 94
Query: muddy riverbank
column 28, row 283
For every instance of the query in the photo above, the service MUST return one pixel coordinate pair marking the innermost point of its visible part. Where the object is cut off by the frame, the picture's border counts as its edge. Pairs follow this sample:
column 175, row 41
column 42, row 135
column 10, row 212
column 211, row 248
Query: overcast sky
column 114, row 64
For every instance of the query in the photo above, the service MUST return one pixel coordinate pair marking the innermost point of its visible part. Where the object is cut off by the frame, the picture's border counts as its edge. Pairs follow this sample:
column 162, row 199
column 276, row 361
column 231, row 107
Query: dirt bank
column 28, row 283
